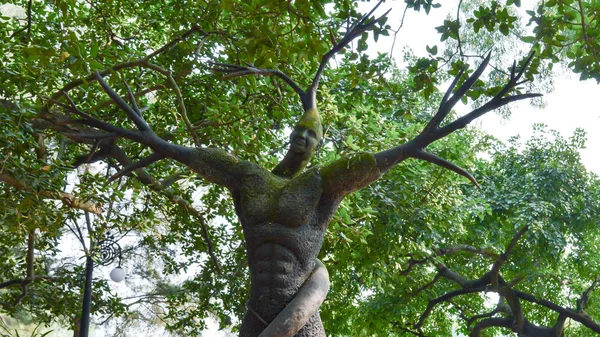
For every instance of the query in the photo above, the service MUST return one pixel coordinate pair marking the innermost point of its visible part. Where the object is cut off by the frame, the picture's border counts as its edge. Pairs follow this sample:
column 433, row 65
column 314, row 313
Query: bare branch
column 448, row 103
column 461, row 280
column 180, row 104
column 426, row 156
column 486, row 315
column 308, row 97
column 397, row 31
column 491, row 322
column 467, row 248
column 94, row 122
column 513, row 302
column 135, row 166
column 136, row 94
column 353, row 32
column 572, row 314
column 134, row 115
column 450, row 89
column 236, row 71
column 132, row 100
column 176, row 41
column 446, row 297
column 509, row 249
column 433, row 131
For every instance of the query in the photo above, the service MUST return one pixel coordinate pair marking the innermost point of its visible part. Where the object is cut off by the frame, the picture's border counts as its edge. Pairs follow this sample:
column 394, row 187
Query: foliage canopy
column 392, row 250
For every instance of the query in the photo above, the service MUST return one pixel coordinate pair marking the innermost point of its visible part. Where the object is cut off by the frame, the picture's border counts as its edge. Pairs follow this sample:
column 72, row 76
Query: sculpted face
column 307, row 134
column 303, row 140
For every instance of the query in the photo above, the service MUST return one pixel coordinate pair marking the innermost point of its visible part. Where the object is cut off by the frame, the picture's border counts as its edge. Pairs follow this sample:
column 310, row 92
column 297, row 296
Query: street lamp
column 105, row 253
column 109, row 250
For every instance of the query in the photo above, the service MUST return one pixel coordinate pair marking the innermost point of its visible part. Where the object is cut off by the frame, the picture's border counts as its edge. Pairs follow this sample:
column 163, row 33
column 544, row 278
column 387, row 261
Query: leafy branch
column 67, row 199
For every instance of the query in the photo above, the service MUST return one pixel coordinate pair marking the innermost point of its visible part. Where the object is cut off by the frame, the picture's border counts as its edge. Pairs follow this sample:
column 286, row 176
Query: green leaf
column 528, row 39
column 433, row 50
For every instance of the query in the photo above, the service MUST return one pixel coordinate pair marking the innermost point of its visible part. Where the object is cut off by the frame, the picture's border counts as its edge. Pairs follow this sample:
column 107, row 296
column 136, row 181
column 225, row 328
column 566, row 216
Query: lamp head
column 117, row 274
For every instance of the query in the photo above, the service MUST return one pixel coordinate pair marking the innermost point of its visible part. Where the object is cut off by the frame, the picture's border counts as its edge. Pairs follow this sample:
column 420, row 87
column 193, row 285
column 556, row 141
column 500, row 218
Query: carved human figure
column 285, row 213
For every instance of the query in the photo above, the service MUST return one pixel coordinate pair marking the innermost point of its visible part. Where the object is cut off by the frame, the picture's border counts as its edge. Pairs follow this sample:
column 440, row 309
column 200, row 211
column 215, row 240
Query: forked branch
column 143, row 135
column 364, row 24
column 308, row 96
column 232, row 71
column 510, row 299
column 144, row 62
column 434, row 130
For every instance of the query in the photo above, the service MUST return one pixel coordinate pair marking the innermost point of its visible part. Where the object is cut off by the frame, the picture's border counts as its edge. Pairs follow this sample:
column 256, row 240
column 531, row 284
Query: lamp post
column 105, row 253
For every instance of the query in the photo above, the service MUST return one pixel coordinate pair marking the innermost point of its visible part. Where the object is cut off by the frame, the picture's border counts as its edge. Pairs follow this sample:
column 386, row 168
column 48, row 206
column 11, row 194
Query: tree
column 515, row 231
column 253, row 110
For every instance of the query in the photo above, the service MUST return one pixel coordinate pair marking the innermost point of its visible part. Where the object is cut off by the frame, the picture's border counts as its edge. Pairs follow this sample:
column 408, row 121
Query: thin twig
column 458, row 29
column 397, row 31
column 27, row 26
column 180, row 104
column 584, row 33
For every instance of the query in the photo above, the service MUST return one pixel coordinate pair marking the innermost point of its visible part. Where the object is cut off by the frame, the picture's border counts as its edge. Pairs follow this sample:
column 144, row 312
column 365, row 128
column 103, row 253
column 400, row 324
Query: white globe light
column 117, row 274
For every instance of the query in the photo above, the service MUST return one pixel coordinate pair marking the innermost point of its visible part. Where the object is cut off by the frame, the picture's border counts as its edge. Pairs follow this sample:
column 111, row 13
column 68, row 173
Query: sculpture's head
column 304, row 141
column 307, row 134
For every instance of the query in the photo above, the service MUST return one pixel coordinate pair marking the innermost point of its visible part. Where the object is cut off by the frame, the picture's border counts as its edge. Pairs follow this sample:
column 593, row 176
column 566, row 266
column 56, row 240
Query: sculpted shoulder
column 348, row 174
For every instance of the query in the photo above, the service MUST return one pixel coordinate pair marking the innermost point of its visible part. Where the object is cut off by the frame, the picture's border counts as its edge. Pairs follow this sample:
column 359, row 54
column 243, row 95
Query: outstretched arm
column 347, row 175
column 215, row 165
column 415, row 148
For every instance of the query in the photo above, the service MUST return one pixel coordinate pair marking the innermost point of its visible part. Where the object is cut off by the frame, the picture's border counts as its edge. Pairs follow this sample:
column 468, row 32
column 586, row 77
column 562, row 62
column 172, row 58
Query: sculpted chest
column 266, row 198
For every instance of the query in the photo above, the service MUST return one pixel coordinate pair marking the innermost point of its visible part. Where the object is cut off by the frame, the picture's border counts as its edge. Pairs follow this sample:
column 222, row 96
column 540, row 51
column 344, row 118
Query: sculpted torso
column 284, row 222
column 284, row 219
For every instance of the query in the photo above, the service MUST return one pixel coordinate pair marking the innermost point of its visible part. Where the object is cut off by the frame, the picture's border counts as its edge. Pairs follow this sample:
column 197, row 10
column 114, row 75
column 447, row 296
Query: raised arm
column 347, row 175
column 433, row 131
column 215, row 165
column 308, row 96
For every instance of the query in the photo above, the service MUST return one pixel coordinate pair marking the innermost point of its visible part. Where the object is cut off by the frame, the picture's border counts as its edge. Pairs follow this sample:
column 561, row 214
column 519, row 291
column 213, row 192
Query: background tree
column 62, row 40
